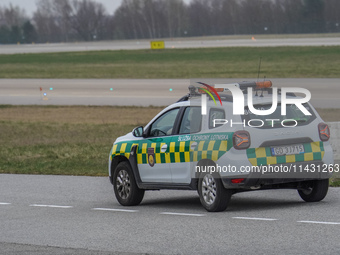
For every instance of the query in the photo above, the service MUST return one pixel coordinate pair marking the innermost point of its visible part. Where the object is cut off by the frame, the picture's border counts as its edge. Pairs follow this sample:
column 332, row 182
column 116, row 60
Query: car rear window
column 215, row 114
column 293, row 117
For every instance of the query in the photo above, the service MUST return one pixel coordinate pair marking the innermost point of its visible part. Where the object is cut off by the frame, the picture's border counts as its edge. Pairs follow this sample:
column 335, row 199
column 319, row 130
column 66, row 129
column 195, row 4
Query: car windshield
column 294, row 116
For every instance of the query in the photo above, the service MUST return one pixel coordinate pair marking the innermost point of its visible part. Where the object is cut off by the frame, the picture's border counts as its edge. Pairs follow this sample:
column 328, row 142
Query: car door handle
column 193, row 146
column 164, row 148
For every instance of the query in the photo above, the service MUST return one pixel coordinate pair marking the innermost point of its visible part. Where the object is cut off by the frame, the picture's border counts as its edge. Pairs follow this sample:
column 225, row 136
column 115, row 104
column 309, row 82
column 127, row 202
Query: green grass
column 237, row 62
column 335, row 182
column 71, row 140
column 53, row 148
column 63, row 140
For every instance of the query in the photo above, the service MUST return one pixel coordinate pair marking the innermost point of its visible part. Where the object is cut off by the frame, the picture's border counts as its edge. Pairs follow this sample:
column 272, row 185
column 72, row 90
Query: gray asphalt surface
column 169, row 44
column 79, row 215
column 143, row 92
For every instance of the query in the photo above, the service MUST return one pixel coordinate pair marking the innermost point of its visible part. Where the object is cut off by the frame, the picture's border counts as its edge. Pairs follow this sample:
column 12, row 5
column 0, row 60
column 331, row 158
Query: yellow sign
column 155, row 45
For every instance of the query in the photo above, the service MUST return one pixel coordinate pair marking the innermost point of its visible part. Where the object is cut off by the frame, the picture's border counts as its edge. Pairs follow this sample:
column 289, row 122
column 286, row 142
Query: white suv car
column 219, row 153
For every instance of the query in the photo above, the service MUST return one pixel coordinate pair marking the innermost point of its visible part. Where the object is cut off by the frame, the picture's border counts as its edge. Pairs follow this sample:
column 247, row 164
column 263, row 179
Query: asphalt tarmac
column 139, row 92
column 205, row 42
column 80, row 215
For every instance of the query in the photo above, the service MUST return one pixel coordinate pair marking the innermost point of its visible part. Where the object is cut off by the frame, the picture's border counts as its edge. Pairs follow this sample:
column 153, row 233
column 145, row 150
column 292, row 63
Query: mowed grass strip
column 73, row 140
column 120, row 115
column 233, row 62
column 64, row 140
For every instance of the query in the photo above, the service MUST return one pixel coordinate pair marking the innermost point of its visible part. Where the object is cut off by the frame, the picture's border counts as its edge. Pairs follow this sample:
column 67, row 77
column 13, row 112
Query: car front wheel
column 213, row 196
column 125, row 187
column 314, row 191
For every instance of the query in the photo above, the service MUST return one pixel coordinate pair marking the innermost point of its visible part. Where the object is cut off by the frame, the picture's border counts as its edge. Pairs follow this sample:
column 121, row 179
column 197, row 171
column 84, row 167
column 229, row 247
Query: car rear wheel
column 125, row 187
column 314, row 191
column 213, row 196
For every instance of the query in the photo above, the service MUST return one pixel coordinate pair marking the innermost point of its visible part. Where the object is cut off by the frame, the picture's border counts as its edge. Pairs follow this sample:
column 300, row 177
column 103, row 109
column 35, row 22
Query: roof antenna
column 258, row 72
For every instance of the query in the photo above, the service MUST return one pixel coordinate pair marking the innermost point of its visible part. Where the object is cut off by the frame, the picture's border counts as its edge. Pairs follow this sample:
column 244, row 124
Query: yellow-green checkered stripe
column 180, row 151
column 177, row 152
column 262, row 155
column 122, row 149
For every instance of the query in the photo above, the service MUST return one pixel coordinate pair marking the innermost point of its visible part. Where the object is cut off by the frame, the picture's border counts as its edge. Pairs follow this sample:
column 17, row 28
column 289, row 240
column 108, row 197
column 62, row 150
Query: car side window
column 214, row 115
column 164, row 124
column 191, row 121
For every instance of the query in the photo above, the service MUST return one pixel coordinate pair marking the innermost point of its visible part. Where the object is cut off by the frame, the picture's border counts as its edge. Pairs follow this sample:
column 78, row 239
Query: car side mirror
column 138, row 131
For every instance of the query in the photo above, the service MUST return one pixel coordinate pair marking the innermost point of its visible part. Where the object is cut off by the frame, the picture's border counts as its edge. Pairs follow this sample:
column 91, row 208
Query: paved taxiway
column 169, row 44
column 66, row 214
column 144, row 92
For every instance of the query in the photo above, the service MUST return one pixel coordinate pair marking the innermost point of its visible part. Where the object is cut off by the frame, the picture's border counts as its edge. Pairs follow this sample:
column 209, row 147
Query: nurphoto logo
column 243, row 94
column 238, row 99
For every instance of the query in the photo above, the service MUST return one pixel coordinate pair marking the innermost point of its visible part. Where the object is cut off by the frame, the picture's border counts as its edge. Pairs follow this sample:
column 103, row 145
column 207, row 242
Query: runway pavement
column 143, row 92
column 79, row 215
column 169, row 44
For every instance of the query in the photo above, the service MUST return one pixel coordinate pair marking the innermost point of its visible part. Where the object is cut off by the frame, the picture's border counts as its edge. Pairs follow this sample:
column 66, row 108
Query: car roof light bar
column 244, row 85
column 214, row 89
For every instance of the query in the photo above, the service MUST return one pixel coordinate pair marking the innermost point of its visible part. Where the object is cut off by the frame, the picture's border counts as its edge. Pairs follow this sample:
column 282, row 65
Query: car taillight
column 241, row 140
column 238, row 180
column 324, row 132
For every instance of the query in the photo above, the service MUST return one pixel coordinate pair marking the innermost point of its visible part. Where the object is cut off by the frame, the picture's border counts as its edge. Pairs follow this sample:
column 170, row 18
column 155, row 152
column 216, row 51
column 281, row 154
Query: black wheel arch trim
column 132, row 161
column 134, row 166
column 114, row 163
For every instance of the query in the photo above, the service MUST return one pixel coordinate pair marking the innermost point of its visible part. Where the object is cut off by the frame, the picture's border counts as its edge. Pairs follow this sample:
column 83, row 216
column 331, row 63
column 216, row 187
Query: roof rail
column 257, row 86
column 184, row 98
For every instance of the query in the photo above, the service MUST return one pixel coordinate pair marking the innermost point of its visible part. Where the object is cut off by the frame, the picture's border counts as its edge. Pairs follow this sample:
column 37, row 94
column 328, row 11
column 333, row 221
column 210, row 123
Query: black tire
column 314, row 191
column 213, row 196
column 125, row 187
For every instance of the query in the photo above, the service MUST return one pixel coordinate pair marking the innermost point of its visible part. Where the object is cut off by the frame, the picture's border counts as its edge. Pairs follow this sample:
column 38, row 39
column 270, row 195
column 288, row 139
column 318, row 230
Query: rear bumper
column 262, row 176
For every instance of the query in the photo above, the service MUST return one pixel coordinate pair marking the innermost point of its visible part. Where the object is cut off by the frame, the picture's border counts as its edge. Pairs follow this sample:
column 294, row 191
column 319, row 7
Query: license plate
column 287, row 150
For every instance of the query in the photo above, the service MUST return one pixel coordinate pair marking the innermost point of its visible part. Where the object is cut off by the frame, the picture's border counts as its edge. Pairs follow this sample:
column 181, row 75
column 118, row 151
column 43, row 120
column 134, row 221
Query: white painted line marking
column 5, row 203
column 53, row 206
column 182, row 214
column 114, row 210
column 319, row 222
column 251, row 218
